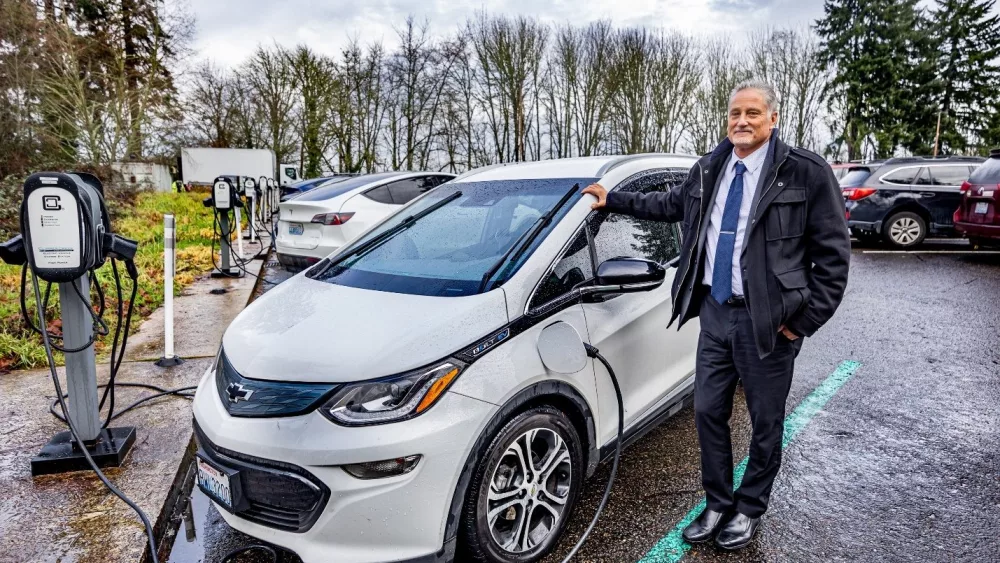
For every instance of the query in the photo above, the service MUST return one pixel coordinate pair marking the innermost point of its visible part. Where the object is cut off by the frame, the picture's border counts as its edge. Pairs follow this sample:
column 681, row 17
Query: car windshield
column 332, row 190
column 449, row 251
column 855, row 177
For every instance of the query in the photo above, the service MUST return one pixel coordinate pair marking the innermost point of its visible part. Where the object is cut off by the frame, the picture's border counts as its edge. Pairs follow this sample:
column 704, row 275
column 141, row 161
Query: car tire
column 905, row 229
column 512, row 514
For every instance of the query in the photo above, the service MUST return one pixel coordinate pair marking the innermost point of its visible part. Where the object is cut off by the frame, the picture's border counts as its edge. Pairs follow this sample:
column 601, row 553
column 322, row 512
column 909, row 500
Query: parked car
column 391, row 402
column 318, row 222
column 302, row 186
column 978, row 216
column 904, row 200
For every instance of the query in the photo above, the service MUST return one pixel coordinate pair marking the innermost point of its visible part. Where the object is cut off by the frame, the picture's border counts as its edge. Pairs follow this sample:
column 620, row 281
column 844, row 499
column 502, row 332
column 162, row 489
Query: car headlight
column 392, row 399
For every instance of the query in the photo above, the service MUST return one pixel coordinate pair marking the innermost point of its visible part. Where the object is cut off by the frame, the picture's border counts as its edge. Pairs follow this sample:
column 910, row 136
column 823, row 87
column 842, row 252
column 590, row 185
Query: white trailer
column 201, row 166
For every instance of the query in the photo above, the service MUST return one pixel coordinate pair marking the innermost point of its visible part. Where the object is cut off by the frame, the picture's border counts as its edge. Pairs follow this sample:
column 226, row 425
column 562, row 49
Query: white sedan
column 318, row 222
column 394, row 402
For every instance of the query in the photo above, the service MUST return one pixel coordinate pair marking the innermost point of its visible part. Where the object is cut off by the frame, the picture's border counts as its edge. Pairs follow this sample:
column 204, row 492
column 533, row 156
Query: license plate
column 215, row 483
column 982, row 207
column 295, row 229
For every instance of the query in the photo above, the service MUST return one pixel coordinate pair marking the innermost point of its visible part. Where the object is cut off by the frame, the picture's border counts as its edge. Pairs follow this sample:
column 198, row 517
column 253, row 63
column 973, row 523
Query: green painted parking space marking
column 672, row 547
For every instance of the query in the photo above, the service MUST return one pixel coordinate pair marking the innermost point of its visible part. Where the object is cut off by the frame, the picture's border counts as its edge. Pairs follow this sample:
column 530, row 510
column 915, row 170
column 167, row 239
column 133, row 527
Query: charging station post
column 224, row 200
column 66, row 235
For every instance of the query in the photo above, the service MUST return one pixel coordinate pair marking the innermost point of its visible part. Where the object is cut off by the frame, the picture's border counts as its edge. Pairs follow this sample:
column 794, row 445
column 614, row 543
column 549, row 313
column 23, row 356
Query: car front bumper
column 400, row 518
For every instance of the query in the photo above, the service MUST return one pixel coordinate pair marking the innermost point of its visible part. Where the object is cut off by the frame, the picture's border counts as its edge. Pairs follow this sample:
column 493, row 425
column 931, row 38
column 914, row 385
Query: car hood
column 310, row 331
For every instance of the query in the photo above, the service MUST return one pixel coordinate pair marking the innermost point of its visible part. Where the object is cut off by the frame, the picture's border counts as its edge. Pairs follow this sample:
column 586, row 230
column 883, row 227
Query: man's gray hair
column 765, row 89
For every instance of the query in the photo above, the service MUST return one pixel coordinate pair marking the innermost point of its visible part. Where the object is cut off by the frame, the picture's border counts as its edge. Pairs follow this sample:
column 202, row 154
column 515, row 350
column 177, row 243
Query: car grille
column 259, row 398
column 279, row 495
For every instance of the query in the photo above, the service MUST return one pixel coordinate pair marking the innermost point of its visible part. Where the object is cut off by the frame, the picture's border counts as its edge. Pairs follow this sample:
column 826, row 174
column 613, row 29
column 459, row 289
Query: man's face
column 750, row 122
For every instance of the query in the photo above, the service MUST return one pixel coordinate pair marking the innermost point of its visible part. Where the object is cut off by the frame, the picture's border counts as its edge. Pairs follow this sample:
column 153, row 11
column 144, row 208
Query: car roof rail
column 939, row 158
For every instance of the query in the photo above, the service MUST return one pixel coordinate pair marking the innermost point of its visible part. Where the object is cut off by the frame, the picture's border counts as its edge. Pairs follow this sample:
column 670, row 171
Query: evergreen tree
column 968, row 50
column 882, row 81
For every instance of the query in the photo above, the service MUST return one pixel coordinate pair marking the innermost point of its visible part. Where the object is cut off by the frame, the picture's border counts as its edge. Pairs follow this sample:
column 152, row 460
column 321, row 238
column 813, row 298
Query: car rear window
column 333, row 190
column 948, row 175
column 987, row 173
column 855, row 177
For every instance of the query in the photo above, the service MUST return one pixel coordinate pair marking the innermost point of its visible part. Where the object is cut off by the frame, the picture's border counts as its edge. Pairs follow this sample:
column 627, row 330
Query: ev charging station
column 65, row 236
column 225, row 203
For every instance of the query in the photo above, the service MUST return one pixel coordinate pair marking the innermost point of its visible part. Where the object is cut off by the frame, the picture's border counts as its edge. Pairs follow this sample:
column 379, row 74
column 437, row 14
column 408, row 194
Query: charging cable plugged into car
column 563, row 351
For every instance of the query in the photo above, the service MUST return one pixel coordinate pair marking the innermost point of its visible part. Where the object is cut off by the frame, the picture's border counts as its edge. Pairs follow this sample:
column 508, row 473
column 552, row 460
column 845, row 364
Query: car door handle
column 927, row 194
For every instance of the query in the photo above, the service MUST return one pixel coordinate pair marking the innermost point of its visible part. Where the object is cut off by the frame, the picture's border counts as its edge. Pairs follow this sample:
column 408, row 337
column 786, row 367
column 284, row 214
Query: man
column 763, row 264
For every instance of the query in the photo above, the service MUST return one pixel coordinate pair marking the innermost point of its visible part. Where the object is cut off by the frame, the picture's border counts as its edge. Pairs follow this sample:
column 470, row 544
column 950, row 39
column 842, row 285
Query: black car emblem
column 237, row 391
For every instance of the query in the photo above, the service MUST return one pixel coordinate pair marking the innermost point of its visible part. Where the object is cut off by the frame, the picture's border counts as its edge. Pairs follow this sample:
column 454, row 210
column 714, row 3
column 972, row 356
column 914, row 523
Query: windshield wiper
column 373, row 243
column 524, row 241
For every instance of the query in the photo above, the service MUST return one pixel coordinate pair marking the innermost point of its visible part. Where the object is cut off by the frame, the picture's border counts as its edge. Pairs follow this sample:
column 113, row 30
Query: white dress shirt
column 754, row 163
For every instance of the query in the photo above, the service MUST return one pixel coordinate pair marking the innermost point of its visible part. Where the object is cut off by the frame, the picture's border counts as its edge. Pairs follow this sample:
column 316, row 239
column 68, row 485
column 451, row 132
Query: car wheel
column 905, row 229
column 523, row 489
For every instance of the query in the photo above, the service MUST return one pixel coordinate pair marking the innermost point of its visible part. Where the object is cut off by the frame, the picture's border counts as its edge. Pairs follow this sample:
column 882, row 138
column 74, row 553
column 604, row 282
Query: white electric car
column 318, row 222
column 391, row 403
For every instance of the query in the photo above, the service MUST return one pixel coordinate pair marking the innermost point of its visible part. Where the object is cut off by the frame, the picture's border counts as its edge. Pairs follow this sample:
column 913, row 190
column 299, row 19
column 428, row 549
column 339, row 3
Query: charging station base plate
column 61, row 456
column 170, row 362
column 233, row 273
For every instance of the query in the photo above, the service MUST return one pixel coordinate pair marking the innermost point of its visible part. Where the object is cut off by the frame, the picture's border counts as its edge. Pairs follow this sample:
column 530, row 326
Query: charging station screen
column 54, row 223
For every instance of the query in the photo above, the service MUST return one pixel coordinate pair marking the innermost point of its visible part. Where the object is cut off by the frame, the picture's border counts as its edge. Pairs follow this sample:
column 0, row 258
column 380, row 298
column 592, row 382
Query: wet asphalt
column 901, row 464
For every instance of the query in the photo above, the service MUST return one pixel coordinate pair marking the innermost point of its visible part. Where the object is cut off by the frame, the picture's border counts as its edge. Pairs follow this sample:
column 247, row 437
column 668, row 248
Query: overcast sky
column 228, row 30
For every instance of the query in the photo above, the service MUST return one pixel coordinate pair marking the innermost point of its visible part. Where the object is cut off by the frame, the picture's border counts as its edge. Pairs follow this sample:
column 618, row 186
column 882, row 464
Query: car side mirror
column 614, row 276
column 628, row 275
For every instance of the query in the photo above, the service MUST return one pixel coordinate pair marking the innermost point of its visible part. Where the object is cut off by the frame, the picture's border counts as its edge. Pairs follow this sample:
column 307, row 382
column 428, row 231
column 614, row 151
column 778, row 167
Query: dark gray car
column 904, row 200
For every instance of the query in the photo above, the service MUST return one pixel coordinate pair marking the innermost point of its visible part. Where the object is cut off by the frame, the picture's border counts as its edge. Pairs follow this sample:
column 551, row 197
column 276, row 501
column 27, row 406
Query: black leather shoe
column 738, row 532
column 704, row 526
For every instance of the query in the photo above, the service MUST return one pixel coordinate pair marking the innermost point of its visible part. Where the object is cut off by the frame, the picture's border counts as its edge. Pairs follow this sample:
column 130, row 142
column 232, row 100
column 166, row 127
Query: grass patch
column 141, row 221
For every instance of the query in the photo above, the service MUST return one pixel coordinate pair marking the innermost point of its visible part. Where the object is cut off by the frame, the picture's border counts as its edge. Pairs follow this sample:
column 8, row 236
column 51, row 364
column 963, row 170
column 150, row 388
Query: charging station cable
column 594, row 353
column 76, row 437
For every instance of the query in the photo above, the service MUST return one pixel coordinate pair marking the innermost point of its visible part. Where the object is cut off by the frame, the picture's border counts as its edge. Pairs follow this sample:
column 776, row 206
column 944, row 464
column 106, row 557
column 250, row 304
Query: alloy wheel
column 528, row 490
column 905, row 231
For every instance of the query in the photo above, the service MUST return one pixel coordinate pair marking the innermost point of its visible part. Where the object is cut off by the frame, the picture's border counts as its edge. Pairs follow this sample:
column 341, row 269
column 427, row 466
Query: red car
column 978, row 216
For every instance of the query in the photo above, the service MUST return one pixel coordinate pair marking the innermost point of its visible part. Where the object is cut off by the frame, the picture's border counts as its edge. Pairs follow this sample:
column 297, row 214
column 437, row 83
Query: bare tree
column 592, row 101
column 316, row 80
column 632, row 70
column 722, row 70
column 272, row 82
column 210, row 104
column 674, row 83
column 509, row 53
column 786, row 59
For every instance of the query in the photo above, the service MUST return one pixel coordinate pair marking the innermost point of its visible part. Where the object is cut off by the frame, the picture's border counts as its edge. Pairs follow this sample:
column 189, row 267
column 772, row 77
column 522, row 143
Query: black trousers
column 727, row 354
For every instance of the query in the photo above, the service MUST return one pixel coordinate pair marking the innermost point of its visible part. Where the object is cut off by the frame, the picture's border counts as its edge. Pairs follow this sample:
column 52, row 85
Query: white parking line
column 969, row 252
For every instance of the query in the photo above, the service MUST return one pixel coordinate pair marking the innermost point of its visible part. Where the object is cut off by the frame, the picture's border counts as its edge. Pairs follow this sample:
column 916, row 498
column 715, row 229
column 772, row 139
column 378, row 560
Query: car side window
column 405, row 191
column 380, row 194
column 574, row 269
column 622, row 236
column 949, row 175
column 903, row 176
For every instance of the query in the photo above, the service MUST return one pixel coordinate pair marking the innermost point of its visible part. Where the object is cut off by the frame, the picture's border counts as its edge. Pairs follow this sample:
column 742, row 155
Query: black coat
column 796, row 250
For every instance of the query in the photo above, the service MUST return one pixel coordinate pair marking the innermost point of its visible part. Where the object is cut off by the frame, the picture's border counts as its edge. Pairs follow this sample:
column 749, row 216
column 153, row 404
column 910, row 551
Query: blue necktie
column 722, row 270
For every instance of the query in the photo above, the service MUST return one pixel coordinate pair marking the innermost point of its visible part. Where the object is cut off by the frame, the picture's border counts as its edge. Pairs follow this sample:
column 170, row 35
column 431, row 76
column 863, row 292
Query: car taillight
column 966, row 186
column 332, row 218
column 854, row 194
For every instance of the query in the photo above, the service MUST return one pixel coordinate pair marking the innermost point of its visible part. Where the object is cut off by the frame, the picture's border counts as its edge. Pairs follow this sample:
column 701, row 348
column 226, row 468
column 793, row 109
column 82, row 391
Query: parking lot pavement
column 900, row 464
column 894, row 456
